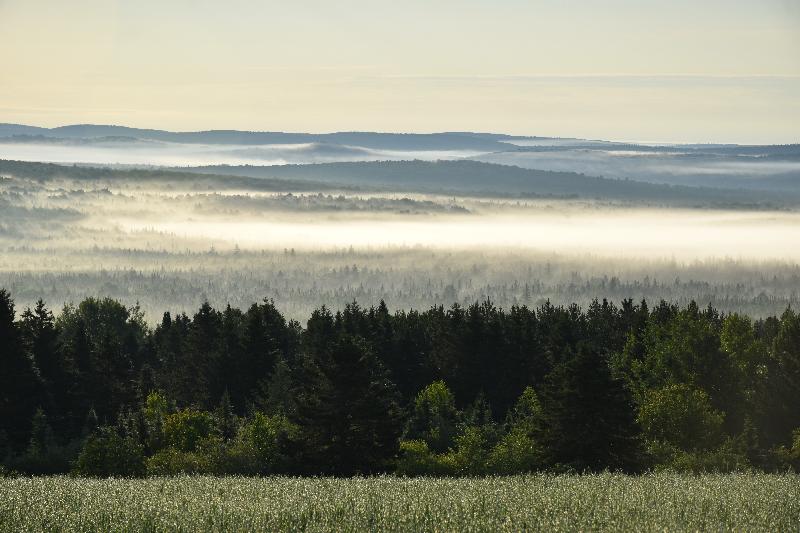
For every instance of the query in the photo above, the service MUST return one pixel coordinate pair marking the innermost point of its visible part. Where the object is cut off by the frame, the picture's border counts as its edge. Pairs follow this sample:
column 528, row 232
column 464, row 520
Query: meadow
column 542, row 502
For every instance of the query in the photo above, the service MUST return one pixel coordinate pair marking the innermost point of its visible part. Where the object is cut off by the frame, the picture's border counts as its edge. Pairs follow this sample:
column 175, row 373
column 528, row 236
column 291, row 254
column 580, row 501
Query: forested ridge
column 448, row 391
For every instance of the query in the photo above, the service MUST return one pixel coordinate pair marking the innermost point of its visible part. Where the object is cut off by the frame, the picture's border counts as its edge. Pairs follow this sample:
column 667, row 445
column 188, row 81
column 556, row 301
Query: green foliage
column 738, row 340
column 154, row 412
column 210, row 455
column 43, row 455
column 252, row 393
column 434, row 418
column 587, row 419
column 726, row 458
column 780, row 394
column 470, row 455
column 108, row 454
column 347, row 409
column 19, row 384
column 185, row 429
column 516, row 453
column 225, row 420
column 476, row 449
column 680, row 416
column 788, row 458
column 41, row 434
column 260, row 446
column 171, row 462
column 277, row 396
column 417, row 459
column 527, row 413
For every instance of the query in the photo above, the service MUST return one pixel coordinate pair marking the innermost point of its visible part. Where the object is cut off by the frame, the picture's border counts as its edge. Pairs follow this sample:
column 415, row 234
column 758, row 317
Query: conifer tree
column 348, row 410
column 19, row 383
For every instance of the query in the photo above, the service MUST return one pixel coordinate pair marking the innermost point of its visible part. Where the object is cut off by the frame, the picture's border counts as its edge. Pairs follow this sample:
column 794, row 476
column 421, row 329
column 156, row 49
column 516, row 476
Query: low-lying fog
column 126, row 214
column 617, row 232
column 157, row 153
column 675, row 165
column 166, row 246
column 773, row 168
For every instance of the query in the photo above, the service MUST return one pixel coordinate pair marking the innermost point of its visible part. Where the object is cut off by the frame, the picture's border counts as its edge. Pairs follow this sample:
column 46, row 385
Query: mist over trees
column 756, row 169
column 408, row 278
column 473, row 177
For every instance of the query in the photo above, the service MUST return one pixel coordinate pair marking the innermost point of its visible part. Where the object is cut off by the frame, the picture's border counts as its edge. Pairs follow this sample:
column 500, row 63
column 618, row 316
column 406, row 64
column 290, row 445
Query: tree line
column 465, row 390
column 298, row 289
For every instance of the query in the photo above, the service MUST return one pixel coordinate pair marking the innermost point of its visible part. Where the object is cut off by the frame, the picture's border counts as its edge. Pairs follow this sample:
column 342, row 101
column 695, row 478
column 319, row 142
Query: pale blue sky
column 636, row 70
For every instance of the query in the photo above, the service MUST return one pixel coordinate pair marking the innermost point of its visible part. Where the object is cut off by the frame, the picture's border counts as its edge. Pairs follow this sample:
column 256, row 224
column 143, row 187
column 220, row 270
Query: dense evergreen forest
column 407, row 279
column 448, row 391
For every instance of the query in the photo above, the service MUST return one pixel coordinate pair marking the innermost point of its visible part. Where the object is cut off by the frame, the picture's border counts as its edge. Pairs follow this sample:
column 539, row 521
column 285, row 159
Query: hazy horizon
column 431, row 131
column 678, row 72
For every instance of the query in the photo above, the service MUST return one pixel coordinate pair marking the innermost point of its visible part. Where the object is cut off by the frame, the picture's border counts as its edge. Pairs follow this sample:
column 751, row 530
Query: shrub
column 682, row 417
column 106, row 453
column 789, row 458
column 260, row 446
column 185, row 429
column 723, row 459
column 434, row 418
column 470, row 456
column 516, row 453
column 171, row 462
column 155, row 410
column 417, row 459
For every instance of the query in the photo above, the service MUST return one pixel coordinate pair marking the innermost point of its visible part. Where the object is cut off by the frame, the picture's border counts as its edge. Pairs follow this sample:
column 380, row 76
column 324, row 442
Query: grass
column 604, row 502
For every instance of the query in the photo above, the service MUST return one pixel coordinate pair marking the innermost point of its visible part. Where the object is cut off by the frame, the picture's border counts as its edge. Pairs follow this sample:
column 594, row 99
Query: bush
column 516, row 453
column 723, row 459
column 434, row 418
column 470, row 456
column 682, row 417
column 185, row 429
column 106, row 453
column 171, row 462
column 788, row 458
column 260, row 446
column 417, row 459
column 155, row 410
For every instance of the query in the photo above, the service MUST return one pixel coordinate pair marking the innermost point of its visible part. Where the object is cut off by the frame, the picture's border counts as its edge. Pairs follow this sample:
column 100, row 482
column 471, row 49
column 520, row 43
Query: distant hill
column 50, row 171
column 767, row 168
column 472, row 177
column 535, row 165
column 446, row 177
column 382, row 141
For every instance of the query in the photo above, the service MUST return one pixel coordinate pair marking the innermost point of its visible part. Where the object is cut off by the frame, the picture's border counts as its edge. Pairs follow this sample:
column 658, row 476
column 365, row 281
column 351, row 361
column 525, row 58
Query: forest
column 464, row 390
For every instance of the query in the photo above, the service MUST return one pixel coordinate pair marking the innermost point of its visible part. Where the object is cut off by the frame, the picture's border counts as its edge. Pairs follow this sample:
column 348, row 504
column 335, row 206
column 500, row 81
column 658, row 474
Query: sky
column 643, row 70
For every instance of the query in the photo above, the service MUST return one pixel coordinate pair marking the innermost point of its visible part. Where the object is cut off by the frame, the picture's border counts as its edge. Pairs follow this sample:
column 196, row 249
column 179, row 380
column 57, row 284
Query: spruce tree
column 19, row 383
column 588, row 417
column 347, row 410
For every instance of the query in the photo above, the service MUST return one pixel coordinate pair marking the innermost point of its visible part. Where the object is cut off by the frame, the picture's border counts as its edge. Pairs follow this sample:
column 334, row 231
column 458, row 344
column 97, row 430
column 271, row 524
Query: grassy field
column 606, row 502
